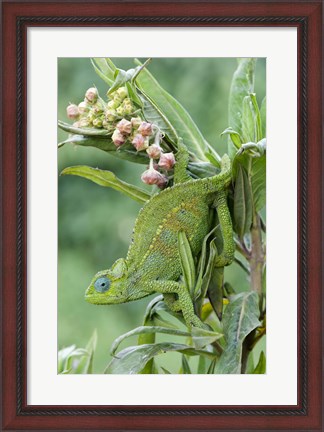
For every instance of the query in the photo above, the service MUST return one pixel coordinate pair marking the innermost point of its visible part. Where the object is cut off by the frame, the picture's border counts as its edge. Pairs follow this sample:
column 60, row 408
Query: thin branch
column 242, row 249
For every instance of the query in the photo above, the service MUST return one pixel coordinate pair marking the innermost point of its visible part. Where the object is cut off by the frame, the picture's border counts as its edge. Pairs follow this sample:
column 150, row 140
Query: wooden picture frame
column 17, row 17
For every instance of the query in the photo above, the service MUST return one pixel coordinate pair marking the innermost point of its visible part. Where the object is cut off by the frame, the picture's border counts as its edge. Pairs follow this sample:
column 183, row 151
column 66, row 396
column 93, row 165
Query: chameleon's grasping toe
column 153, row 263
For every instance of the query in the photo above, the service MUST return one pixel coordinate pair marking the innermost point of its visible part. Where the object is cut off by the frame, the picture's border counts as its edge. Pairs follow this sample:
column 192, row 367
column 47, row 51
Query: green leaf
column 126, row 152
column 263, row 115
column 235, row 136
column 185, row 365
column 85, row 365
column 62, row 356
column 264, row 279
column 258, row 182
column 146, row 330
column 187, row 262
column 209, row 269
column 248, row 121
column 261, row 366
column 242, row 202
column 179, row 122
column 165, row 371
column 257, row 118
column 201, row 365
column 202, row 169
column 122, row 77
column 72, row 360
column 148, row 338
column 132, row 94
column 215, row 290
column 202, row 337
column 241, row 316
column 104, row 69
column 211, row 368
column 202, row 266
column 242, row 85
column 108, row 179
column 82, row 131
column 132, row 360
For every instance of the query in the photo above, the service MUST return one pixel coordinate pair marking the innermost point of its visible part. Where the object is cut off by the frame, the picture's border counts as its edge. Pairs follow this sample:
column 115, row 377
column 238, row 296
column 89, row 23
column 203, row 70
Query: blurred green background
column 95, row 223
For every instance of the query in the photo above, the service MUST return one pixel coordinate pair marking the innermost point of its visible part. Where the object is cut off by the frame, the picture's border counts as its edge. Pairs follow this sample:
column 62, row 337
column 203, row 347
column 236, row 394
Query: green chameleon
column 153, row 263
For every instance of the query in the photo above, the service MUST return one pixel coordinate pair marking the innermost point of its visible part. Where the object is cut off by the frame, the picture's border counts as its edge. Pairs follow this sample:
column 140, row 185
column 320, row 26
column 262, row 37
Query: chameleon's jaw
column 93, row 297
column 100, row 299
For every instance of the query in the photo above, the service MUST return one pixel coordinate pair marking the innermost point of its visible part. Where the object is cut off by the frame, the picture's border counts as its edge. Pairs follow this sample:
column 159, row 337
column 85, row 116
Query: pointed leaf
column 258, row 182
column 202, row 337
column 211, row 368
column 185, row 365
column 235, row 136
column 242, row 202
column 82, row 131
column 215, row 290
column 103, row 69
column 187, row 262
column 146, row 330
column 131, row 360
column 263, row 115
column 126, row 152
column 165, row 371
column 201, row 365
column 202, row 264
column 108, row 179
column 248, row 121
column 261, row 366
column 241, row 316
column 242, row 85
column 257, row 117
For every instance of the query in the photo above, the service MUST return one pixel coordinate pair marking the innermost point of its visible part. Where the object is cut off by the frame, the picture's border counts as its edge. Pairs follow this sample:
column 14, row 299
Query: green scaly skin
column 153, row 264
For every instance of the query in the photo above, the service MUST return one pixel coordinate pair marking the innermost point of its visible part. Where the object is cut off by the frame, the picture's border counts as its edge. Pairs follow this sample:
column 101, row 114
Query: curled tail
column 223, row 179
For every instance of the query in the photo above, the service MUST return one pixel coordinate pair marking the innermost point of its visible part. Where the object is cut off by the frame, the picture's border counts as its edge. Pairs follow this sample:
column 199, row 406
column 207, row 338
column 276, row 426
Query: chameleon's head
column 109, row 286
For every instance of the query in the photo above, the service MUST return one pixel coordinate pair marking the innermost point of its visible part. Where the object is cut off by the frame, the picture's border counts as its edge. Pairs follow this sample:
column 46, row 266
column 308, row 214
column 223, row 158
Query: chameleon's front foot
column 183, row 303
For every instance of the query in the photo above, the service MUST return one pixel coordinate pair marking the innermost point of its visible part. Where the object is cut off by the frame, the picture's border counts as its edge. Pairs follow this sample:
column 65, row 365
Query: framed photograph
column 168, row 153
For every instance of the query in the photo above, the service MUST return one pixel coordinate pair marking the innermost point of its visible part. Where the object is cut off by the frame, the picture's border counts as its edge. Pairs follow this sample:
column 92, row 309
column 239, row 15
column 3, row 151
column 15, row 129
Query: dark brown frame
column 17, row 17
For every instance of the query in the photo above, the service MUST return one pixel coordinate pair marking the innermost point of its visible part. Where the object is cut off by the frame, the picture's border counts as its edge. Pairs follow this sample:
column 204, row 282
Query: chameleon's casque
column 153, row 263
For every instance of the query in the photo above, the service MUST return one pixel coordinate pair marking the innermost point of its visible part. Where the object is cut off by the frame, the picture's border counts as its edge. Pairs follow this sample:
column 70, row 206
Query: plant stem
column 257, row 255
column 256, row 261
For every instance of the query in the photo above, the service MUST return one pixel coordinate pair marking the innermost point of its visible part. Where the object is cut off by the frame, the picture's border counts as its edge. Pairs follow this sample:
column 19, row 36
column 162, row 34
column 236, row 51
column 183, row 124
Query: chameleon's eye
column 102, row 284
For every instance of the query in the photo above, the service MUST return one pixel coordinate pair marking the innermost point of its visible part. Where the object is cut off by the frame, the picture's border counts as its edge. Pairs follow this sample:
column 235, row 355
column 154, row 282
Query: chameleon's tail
column 223, row 179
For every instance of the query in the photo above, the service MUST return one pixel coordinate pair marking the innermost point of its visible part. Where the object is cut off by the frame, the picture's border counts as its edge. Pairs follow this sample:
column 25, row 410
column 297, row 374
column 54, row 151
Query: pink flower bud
column 154, row 151
column 118, row 138
column 92, row 95
column 124, row 126
column 151, row 177
column 72, row 111
column 83, row 108
column 163, row 182
column 136, row 121
column 139, row 142
column 145, row 129
column 83, row 122
column 167, row 161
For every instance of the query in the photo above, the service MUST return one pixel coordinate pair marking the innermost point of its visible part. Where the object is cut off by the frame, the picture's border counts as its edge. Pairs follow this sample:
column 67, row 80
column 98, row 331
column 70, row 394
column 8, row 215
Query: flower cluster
column 118, row 116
